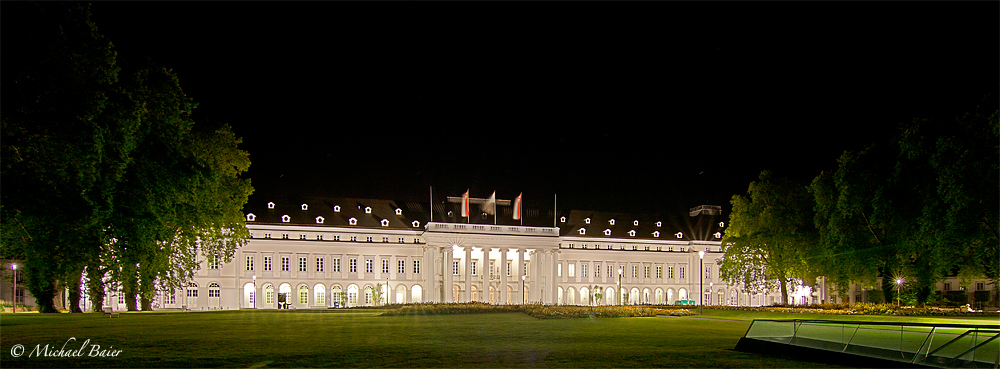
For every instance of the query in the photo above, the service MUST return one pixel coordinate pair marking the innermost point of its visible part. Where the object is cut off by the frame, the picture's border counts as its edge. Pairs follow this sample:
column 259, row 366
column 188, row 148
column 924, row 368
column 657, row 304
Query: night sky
column 635, row 107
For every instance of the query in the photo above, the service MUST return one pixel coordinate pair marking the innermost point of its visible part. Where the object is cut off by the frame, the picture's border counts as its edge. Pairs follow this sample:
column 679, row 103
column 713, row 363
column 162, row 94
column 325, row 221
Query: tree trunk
column 74, row 296
column 146, row 290
column 95, row 287
column 784, row 290
column 131, row 291
column 922, row 294
column 887, row 286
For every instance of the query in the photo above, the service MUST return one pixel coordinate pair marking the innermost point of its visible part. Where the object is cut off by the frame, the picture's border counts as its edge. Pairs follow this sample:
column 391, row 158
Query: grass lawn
column 361, row 338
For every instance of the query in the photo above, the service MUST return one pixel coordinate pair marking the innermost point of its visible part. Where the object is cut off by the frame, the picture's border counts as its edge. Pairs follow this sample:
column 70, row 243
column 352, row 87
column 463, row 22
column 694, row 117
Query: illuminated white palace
column 313, row 252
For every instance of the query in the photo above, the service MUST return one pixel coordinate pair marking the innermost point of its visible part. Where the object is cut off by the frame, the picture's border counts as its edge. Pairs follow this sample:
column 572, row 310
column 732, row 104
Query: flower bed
column 864, row 308
column 539, row 311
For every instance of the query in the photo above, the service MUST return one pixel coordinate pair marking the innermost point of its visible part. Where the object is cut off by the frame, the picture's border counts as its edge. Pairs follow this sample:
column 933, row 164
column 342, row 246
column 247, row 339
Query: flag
column 517, row 207
column 465, row 204
column 490, row 206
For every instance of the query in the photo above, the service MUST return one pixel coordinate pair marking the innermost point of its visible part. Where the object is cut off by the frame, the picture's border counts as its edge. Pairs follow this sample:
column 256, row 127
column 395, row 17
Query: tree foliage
column 770, row 236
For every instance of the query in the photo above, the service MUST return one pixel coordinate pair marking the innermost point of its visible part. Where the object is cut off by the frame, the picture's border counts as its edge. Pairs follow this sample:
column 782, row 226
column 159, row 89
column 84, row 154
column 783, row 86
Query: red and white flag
column 465, row 204
column 517, row 207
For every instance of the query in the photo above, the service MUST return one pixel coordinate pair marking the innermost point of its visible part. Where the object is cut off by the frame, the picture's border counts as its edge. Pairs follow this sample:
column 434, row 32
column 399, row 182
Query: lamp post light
column 899, row 286
column 619, row 292
column 14, row 293
column 254, row 295
column 701, row 282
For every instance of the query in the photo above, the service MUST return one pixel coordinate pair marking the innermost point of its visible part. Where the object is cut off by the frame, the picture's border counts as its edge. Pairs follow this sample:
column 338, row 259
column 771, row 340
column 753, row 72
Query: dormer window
column 336, row 208
column 319, row 220
column 607, row 232
column 722, row 224
column 416, row 224
column 399, row 211
column 562, row 219
column 635, row 223
column 611, row 222
column 285, row 218
column 679, row 234
column 656, row 233
column 385, row 222
column 659, row 224
column 352, row 221
column 587, row 221
column 718, row 234
column 631, row 233
column 583, row 231
column 270, row 205
column 251, row 217
column 368, row 209
column 305, row 207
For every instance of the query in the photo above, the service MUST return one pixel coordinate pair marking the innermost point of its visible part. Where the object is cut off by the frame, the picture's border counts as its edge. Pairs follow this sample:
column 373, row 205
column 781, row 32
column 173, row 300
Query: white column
column 446, row 270
column 502, row 293
column 536, row 267
column 485, row 273
column 554, row 255
column 520, row 271
column 467, row 296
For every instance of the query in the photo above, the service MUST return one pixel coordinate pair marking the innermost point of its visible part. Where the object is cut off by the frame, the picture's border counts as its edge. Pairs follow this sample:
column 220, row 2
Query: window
column 947, row 286
column 416, row 266
column 572, row 271
column 302, row 264
column 354, row 238
column 980, row 286
column 319, row 264
column 597, row 270
column 369, row 268
column 560, row 271
column 336, row 237
column 303, row 295
column 385, row 266
column 267, row 263
column 267, row 235
column 454, row 267
column 213, row 290
column 302, row 236
column 708, row 272
column 635, row 271
column 369, row 239
column 659, row 271
column 682, row 273
column 473, row 267
column 611, row 271
column 645, row 272
column 319, row 237
column 401, row 266
column 284, row 236
column 169, row 298
column 251, row 217
column 284, row 263
column 285, row 218
column 353, row 265
column 269, row 294
column 250, row 262
column 508, row 269
column 336, row 265
column 385, row 239
column 583, row 270
column 320, row 293
column 214, row 263
column 524, row 270
column 401, row 240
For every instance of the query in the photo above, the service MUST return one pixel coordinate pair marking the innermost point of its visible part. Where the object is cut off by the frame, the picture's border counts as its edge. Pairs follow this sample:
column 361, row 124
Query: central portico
column 485, row 263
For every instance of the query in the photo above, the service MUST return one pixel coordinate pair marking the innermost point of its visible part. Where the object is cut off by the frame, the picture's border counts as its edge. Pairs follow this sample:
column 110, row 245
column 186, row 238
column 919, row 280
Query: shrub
column 539, row 311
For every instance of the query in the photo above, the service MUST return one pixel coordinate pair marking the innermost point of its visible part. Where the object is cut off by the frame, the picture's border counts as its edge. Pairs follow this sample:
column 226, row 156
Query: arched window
column 400, row 294
column 303, row 299
column 248, row 296
column 475, row 294
column 659, row 297
column 645, row 295
column 285, row 294
column 416, row 294
column 584, row 296
column 214, row 292
column 352, row 295
column 571, row 296
column 682, row 294
column 319, row 295
column 670, row 296
column 633, row 296
column 510, row 291
column 455, row 292
column 559, row 299
column 369, row 295
column 609, row 296
column 337, row 296
column 269, row 295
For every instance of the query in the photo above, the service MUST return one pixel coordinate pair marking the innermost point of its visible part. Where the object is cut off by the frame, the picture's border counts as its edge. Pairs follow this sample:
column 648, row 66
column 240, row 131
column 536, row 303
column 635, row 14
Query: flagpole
column 495, row 212
column 555, row 209
column 432, row 203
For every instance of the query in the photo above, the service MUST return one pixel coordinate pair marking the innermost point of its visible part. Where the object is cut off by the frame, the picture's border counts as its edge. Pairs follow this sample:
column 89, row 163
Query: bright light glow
column 899, row 281
column 658, row 224
column 285, row 218
column 368, row 209
column 583, row 231
column 399, row 211
column 611, row 222
column 718, row 234
column 416, row 223
column 319, row 220
column 305, row 207
column 385, row 222
column 587, row 220
column 722, row 224
column 270, row 205
column 656, row 233
column 562, row 219
column 352, row 221
column 679, row 234
column 607, row 232
column 13, row 266
column 336, row 208
column 631, row 233
column 251, row 217
column 701, row 254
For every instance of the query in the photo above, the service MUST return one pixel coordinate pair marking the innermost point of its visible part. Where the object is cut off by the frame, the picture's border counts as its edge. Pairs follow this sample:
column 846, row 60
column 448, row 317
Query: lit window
column 718, row 234
column 270, row 205
column 284, row 263
column 399, row 211
column 368, row 266
column 251, row 217
column 454, row 267
column 250, row 262
column 587, row 220
column 368, row 209
column 562, row 219
column 416, row 266
column 385, row 266
column 722, row 224
column 658, row 224
column 353, row 265
column 305, row 207
column 352, row 221
column 302, row 264
column 267, row 263
column 385, row 222
column 572, row 270
column 679, row 234
column 656, row 233
column 319, row 220
column 611, row 222
column 285, row 218
column 607, row 232
column 583, row 231
column 336, row 208
column 319, row 264
column 635, row 222
column 416, row 224
column 631, row 233
column 401, row 267
column 583, row 270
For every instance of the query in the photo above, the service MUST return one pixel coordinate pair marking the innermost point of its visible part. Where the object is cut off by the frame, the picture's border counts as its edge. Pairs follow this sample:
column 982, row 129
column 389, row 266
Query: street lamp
column 899, row 286
column 619, row 292
column 523, row 295
column 701, row 282
column 14, row 267
column 253, row 296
